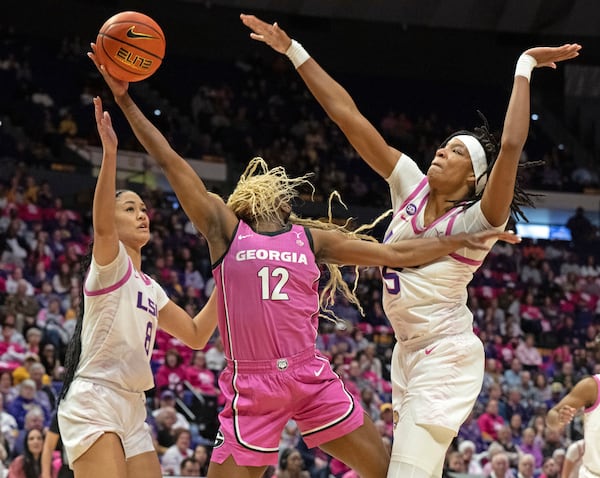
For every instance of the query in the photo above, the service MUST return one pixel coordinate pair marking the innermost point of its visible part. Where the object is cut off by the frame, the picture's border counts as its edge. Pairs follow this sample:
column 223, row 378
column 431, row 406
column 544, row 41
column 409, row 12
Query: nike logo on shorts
column 318, row 372
column 429, row 350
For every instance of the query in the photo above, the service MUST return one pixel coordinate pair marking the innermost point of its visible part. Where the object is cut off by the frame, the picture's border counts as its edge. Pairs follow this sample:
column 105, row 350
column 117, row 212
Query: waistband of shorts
column 272, row 365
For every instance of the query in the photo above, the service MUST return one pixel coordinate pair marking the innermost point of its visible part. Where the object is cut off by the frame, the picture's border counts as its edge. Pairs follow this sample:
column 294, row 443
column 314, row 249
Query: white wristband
column 297, row 54
column 525, row 65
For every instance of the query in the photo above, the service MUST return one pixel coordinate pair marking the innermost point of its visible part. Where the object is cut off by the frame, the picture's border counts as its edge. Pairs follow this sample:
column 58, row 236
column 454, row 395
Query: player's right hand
column 481, row 240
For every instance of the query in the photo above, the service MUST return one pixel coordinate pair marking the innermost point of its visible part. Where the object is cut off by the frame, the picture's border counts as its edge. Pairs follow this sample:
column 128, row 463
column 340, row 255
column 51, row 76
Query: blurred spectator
column 8, row 428
column 470, row 431
column 167, row 402
column 171, row 374
column 528, row 354
column 174, row 455
column 34, row 420
column 44, row 392
column 28, row 464
column 531, row 446
column 527, row 466
column 291, row 465
column 200, row 377
column 24, row 402
column 490, row 422
column 467, row 451
column 202, row 457
column 22, row 372
column 455, row 463
column 25, row 307
column 164, row 431
column 12, row 344
column 582, row 229
column 549, row 468
column 500, row 466
column 33, row 338
column 509, row 448
column 190, row 467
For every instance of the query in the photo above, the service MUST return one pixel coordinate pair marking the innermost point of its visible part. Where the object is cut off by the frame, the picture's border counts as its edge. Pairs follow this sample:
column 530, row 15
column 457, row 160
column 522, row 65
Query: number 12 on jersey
column 276, row 293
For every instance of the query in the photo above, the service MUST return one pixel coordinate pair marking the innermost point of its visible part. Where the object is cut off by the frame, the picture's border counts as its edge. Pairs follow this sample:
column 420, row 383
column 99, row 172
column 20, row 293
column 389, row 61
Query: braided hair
column 491, row 146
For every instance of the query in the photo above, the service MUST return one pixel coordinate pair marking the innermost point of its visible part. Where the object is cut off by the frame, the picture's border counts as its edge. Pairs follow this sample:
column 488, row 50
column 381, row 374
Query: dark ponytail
column 73, row 353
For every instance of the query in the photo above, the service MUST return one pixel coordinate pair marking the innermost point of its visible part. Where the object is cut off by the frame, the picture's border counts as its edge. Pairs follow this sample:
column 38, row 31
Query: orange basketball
column 131, row 46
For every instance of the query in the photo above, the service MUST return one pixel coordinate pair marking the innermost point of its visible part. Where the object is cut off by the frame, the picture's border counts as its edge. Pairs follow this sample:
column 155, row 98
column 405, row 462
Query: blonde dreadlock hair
column 259, row 194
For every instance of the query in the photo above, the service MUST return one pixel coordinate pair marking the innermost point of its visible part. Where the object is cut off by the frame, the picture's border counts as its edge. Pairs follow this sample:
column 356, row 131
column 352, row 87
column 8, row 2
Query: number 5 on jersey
column 391, row 280
column 276, row 294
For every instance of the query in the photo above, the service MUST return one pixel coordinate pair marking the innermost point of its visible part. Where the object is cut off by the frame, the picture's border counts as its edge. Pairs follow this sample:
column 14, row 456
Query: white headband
column 477, row 159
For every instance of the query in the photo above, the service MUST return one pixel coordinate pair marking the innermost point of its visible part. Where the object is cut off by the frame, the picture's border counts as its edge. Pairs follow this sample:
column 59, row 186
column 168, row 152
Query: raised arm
column 106, row 238
column 195, row 332
column 207, row 211
column 584, row 394
column 337, row 248
column 499, row 192
column 334, row 99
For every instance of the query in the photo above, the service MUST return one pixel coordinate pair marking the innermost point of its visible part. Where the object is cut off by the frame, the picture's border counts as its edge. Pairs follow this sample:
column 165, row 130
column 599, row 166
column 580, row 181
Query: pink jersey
column 267, row 288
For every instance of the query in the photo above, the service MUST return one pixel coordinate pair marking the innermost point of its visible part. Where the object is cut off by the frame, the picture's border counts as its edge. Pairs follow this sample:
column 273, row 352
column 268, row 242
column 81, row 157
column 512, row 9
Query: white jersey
column 430, row 300
column 591, row 434
column 120, row 318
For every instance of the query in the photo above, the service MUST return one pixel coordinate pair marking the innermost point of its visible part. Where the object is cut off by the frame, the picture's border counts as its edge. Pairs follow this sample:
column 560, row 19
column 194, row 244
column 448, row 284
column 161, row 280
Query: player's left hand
column 272, row 35
column 549, row 56
column 118, row 87
column 105, row 128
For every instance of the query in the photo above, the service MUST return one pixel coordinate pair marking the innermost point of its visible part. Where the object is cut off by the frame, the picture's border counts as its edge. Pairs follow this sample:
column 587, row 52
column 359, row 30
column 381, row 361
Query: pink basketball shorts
column 262, row 396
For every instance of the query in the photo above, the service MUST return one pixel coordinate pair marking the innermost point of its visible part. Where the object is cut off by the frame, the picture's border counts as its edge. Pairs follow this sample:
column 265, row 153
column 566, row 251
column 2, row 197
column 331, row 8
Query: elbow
column 343, row 115
column 198, row 343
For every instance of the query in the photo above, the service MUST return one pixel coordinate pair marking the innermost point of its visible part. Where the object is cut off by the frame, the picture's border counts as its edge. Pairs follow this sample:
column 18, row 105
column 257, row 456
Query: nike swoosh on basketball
column 429, row 350
column 318, row 372
column 133, row 34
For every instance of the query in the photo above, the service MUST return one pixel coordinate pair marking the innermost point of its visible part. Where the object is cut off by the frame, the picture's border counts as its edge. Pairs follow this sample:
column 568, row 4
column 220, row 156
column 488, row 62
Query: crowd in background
column 535, row 306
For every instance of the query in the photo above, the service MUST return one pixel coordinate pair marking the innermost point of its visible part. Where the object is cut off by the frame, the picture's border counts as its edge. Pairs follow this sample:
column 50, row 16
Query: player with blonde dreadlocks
column 265, row 265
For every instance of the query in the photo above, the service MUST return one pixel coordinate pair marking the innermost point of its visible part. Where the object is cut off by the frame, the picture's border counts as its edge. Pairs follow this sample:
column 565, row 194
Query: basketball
column 131, row 46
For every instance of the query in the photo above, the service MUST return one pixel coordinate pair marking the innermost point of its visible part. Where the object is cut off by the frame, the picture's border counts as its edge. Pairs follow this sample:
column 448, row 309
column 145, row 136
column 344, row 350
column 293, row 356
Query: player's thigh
column 229, row 469
column 145, row 464
column 362, row 450
column 104, row 458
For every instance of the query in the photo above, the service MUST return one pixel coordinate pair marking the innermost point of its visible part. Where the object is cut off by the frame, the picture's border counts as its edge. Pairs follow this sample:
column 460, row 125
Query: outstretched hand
column 549, row 56
column 480, row 240
column 105, row 128
column 118, row 87
column 272, row 35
